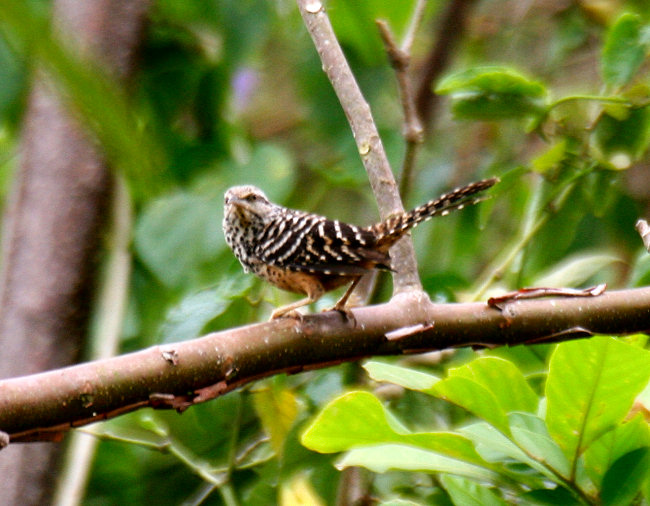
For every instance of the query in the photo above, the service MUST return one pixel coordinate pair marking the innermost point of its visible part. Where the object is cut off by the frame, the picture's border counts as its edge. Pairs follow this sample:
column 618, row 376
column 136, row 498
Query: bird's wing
column 312, row 243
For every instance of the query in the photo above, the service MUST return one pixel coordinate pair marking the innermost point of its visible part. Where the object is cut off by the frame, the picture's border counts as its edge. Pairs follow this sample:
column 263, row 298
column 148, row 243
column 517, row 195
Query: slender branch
column 42, row 406
column 365, row 134
column 413, row 132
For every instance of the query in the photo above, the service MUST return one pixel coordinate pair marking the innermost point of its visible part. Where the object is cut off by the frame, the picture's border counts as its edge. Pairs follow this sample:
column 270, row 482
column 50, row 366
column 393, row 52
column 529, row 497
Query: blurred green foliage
column 552, row 98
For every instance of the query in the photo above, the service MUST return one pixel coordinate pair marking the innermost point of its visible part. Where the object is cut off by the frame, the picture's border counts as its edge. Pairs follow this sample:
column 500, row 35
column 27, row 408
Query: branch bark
column 44, row 405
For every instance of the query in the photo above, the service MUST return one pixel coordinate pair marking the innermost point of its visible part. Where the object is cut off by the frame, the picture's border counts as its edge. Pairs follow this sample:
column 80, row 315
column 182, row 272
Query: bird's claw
column 345, row 313
column 294, row 314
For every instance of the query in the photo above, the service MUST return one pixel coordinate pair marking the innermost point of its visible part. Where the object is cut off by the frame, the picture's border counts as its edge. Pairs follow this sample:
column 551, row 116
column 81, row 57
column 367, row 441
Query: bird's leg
column 340, row 304
column 289, row 308
column 314, row 292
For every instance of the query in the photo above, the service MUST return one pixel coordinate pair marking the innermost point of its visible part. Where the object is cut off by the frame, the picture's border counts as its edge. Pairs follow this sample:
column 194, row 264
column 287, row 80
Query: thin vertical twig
column 400, row 59
column 365, row 134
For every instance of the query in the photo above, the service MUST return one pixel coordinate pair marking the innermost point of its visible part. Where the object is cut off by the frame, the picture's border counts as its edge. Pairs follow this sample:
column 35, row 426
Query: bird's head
column 249, row 202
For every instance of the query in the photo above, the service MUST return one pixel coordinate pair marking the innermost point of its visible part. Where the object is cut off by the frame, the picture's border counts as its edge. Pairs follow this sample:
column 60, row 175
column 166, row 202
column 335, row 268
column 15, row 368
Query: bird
column 310, row 254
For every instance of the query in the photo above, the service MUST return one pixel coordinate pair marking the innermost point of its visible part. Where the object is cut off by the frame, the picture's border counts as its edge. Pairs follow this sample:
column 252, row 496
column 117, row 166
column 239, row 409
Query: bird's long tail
column 389, row 231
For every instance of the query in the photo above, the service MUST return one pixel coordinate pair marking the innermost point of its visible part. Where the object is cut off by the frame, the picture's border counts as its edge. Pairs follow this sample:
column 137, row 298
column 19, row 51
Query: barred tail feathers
column 389, row 231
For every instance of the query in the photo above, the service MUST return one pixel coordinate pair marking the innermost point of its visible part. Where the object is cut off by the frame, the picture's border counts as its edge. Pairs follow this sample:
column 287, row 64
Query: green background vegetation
column 551, row 98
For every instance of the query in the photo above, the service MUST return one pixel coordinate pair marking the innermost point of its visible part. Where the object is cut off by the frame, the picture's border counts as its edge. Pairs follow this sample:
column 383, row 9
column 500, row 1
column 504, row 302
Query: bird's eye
column 251, row 198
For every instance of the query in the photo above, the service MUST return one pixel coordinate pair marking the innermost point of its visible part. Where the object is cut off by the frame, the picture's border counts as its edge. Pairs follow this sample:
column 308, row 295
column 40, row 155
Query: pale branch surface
column 365, row 135
column 44, row 405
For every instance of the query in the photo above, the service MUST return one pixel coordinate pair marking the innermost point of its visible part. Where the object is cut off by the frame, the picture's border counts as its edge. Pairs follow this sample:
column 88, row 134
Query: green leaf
column 493, row 446
column 490, row 79
column 488, row 387
column 530, row 433
column 277, row 408
column 492, row 93
column 590, row 388
column 403, row 376
column 178, row 233
column 353, row 419
column 613, row 445
column 550, row 497
column 473, row 397
column 464, row 492
column 551, row 158
column 359, row 419
column 187, row 319
column 503, row 379
column 576, row 270
column 621, row 141
column 624, row 50
column 623, row 480
column 382, row 458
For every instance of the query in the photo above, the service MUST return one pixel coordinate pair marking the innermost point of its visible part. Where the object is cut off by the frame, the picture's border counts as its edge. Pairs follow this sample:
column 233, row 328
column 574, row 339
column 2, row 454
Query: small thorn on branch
column 644, row 231
column 170, row 401
column 537, row 292
column 403, row 332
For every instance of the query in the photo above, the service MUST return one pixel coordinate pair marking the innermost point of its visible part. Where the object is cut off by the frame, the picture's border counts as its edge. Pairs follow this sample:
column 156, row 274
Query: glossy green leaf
column 624, row 50
column 493, row 107
column 623, row 480
column 382, row 458
column 590, row 388
column 492, row 93
column 530, row 433
column 619, row 441
column 493, row 446
column 353, row 419
column 488, row 387
column 503, row 379
column 399, row 375
column 473, row 397
column 359, row 419
column 464, row 492
column 550, row 497
column 490, row 79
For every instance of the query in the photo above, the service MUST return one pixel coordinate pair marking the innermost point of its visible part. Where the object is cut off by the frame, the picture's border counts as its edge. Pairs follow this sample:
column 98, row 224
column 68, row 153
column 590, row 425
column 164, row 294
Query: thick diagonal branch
column 182, row 374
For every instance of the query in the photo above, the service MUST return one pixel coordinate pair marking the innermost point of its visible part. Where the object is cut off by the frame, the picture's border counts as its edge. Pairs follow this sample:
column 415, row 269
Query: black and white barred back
column 266, row 237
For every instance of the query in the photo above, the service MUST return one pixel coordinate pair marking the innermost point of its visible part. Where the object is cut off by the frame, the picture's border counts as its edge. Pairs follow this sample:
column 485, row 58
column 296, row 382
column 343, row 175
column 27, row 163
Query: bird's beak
column 232, row 200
